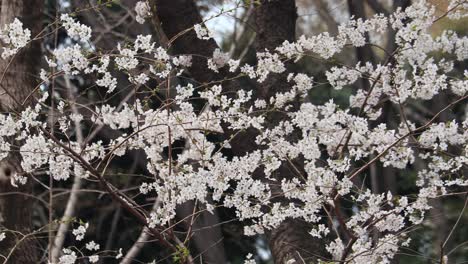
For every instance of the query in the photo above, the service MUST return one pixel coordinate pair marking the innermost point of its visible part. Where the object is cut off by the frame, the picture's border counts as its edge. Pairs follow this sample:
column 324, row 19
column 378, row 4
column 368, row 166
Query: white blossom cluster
column 15, row 37
column 202, row 173
column 80, row 231
column 143, row 11
column 71, row 255
column 74, row 29
column 202, row 32
column 70, row 59
column 74, row 59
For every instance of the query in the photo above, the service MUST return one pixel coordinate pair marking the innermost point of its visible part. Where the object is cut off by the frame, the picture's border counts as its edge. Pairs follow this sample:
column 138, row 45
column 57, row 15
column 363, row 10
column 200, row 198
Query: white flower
column 336, row 248
column 339, row 77
column 320, row 231
column 16, row 179
column 249, row 260
column 267, row 63
column 144, row 43
column 33, row 152
column 339, row 165
column 93, row 258
column 141, row 79
column 161, row 216
column 233, row 65
column 43, row 76
column 218, row 61
column 15, row 37
column 182, row 60
column 74, row 29
column 249, row 71
column 162, row 55
column 117, row 120
column 260, row 104
column 143, row 11
column 60, row 167
column 2, row 236
column 459, row 13
column 303, row 82
column 184, row 92
column 92, row 246
column 70, row 59
column 107, row 81
column 126, row 60
column 102, row 68
column 79, row 232
column 69, row 257
column 202, row 32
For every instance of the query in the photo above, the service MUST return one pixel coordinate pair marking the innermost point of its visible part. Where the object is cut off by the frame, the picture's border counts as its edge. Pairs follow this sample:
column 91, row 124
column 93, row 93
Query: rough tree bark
column 18, row 81
column 175, row 17
column 275, row 23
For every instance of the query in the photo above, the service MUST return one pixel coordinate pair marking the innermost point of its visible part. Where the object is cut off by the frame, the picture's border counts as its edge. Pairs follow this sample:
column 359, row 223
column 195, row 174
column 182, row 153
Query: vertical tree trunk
column 19, row 80
column 174, row 17
column 275, row 21
column 356, row 9
column 438, row 212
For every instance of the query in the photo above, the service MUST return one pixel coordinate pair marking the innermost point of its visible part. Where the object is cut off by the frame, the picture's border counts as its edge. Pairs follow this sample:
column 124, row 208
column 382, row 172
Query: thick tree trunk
column 19, row 82
column 275, row 22
column 177, row 17
column 174, row 17
column 206, row 235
